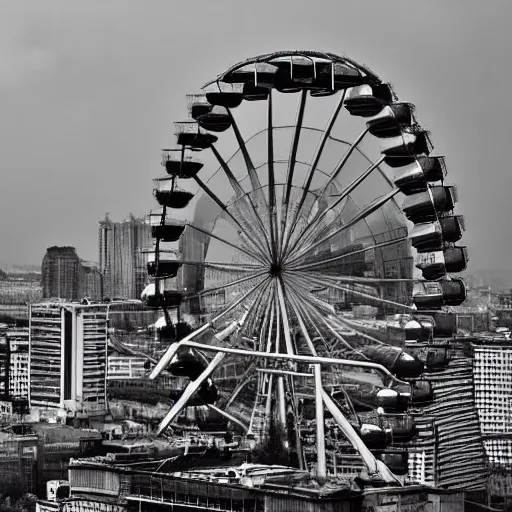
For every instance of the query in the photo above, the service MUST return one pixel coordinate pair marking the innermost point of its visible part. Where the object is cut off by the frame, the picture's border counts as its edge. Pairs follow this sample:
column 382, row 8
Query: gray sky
column 89, row 91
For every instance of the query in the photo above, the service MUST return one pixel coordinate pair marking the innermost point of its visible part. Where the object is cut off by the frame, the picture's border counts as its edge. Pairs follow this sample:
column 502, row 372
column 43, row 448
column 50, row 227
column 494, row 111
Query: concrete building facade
column 65, row 276
column 68, row 356
column 60, row 273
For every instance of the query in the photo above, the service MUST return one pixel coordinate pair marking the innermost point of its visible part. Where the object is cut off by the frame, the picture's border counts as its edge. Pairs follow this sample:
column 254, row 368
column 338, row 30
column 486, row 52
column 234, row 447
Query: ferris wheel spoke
column 341, row 339
column 297, row 310
column 292, row 160
column 241, row 195
column 228, row 285
column 230, row 244
column 303, row 286
column 251, row 171
column 314, row 163
column 265, row 383
column 307, row 307
column 258, row 302
column 368, row 210
column 389, row 182
column 366, row 280
column 308, row 281
column 284, row 317
column 265, row 301
column 222, row 266
column 314, row 308
column 271, row 182
column 223, row 207
column 335, row 259
column 338, row 168
column 277, row 341
column 346, row 323
column 252, row 235
column 321, row 279
column 308, row 229
column 268, row 320
column 260, row 233
column 343, row 161
column 299, row 313
column 272, row 309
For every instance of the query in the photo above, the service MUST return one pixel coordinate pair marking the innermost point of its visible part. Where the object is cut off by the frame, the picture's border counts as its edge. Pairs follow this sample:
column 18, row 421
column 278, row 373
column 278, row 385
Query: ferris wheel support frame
column 321, row 397
column 171, row 351
column 319, row 418
column 191, row 388
column 229, row 417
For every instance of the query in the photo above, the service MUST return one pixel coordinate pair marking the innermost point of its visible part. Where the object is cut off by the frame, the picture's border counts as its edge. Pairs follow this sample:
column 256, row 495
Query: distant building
column 122, row 264
column 91, row 285
column 60, row 273
column 19, row 456
column 68, row 355
column 18, row 291
column 4, row 368
column 18, row 381
column 65, row 276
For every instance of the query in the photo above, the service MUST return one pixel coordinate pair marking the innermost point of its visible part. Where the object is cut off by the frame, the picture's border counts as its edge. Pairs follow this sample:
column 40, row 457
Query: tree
column 273, row 450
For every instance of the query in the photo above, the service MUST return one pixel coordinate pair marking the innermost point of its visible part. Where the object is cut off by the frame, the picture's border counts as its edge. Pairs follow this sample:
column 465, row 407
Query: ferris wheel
column 300, row 248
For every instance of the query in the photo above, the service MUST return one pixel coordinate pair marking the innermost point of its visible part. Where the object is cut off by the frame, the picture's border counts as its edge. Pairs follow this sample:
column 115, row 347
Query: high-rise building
column 60, row 273
column 122, row 262
column 68, row 355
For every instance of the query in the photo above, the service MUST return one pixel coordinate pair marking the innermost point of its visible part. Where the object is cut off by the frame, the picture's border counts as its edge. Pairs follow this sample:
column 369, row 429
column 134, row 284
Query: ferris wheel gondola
column 297, row 229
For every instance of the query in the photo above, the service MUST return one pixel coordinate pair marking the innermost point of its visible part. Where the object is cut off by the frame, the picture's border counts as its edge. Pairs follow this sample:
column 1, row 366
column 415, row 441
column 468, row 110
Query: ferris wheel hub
column 276, row 269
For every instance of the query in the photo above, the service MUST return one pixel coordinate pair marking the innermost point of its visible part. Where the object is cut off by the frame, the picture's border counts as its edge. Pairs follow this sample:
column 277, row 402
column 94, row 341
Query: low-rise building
column 18, row 340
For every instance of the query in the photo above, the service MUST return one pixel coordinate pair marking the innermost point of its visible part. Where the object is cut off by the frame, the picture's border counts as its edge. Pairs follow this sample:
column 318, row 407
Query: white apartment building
column 68, row 357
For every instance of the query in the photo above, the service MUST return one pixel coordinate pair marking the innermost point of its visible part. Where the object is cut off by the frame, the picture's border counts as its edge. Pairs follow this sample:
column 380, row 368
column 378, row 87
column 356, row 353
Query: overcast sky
column 89, row 91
